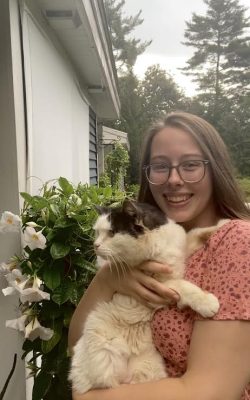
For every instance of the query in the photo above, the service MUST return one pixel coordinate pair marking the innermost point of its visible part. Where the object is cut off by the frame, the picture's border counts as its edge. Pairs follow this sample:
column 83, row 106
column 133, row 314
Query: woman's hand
column 138, row 282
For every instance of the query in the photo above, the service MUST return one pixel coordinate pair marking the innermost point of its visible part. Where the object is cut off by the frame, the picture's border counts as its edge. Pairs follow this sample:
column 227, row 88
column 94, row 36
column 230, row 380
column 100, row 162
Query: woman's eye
column 111, row 233
column 159, row 167
column 191, row 164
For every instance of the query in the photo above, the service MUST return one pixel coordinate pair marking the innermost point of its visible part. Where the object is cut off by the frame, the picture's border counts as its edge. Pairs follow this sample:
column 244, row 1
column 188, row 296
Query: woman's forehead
column 172, row 141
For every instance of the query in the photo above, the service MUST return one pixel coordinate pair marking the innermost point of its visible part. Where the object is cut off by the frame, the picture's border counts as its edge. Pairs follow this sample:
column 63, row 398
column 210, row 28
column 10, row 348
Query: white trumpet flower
column 6, row 268
column 33, row 294
column 32, row 224
column 16, row 282
column 27, row 288
column 8, row 291
column 34, row 330
column 10, row 222
column 18, row 323
column 33, row 239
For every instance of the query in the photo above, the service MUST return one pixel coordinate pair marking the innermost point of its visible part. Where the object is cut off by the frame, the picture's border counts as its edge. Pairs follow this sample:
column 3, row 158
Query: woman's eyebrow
column 184, row 156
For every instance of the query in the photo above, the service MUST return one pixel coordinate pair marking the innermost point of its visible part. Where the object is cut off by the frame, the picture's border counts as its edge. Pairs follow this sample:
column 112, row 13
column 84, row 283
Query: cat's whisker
column 114, row 264
column 121, row 265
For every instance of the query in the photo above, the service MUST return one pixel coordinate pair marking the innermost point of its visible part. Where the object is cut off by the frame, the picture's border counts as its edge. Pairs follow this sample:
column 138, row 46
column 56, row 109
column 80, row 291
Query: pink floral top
column 221, row 266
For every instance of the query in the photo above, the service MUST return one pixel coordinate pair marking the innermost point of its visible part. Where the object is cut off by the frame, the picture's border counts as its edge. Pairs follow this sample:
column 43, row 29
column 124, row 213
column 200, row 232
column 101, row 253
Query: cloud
column 170, row 64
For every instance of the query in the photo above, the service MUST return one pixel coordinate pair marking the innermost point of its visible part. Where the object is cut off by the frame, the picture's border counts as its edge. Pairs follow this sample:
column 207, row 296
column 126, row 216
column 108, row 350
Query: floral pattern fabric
column 221, row 266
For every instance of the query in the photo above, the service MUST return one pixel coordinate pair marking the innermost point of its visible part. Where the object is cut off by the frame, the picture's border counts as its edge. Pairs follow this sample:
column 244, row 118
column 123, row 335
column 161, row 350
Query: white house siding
column 44, row 124
column 12, row 180
column 58, row 116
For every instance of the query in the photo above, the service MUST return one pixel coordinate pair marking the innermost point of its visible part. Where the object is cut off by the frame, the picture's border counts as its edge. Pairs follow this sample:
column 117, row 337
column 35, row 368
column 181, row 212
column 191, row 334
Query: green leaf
column 107, row 191
column 64, row 292
column 50, row 311
column 55, row 209
column 66, row 187
column 38, row 202
column 41, row 386
column 64, row 223
column 32, row 346
column 59, row 250
column 52, row 275
column 27, row 197
column 48, row 345
column 50, row 235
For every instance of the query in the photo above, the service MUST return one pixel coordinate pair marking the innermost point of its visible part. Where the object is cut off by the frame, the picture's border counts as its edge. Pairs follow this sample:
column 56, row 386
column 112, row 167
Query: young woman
column 186, row 172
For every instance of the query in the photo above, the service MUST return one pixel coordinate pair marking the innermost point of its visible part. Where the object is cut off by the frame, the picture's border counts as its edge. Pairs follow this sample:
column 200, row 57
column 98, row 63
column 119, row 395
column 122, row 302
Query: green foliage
column 220, row 65
column 245, row 186
column 141, row 103
column 221, row 45
column 126, row 48
column 132, row 191
column 159, row 93
column 104, row 180
column 65, row 214
column 117, row 162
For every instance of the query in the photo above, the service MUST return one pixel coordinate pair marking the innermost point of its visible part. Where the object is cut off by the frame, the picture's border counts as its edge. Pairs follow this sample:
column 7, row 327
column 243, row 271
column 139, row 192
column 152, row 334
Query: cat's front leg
column 204, row 303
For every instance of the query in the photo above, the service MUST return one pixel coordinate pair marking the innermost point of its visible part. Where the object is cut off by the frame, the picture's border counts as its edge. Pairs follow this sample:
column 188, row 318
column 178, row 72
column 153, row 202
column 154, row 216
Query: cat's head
column 131, row 220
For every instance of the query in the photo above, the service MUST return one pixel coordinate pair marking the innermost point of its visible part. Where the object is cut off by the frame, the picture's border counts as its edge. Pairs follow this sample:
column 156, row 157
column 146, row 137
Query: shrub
column 52, row 274
column 245, row 186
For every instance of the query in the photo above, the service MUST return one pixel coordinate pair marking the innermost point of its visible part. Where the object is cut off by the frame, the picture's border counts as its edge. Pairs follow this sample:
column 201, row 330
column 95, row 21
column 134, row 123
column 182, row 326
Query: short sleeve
column 227, row 273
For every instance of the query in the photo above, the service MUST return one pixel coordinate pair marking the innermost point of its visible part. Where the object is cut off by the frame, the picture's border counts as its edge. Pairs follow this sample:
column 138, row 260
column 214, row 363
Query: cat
column 116, row 345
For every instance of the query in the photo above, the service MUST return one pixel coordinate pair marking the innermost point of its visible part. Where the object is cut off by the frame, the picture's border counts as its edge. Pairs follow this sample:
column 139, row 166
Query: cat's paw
column 208, row 306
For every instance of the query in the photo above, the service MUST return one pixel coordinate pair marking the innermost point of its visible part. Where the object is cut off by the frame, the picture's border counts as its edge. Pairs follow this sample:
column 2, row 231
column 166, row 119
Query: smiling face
column 190, row 204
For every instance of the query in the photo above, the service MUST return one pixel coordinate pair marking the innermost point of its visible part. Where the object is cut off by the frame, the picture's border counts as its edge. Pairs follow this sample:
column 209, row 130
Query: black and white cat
column 116, row 345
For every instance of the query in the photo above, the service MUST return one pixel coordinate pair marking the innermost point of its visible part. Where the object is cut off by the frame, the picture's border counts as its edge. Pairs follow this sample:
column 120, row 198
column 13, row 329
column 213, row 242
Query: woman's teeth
column 177, row 199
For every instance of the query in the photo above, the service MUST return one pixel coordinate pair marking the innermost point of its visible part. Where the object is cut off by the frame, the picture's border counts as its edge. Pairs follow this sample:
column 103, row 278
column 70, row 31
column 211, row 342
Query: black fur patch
column 133, row 218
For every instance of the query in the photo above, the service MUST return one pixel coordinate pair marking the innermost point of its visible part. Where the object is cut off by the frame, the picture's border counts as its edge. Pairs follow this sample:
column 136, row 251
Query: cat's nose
column 96, row 245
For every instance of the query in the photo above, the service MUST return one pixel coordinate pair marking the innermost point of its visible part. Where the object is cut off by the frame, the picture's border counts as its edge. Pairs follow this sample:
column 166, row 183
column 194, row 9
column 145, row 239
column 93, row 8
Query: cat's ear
column 101, row 209
column 130, row 207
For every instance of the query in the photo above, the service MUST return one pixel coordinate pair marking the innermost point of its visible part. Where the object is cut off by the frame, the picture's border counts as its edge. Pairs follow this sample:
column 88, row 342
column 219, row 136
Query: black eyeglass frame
column 147, row 167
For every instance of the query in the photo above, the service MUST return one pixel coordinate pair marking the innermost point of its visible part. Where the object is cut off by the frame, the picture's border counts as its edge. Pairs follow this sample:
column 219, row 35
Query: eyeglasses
column 191, row 171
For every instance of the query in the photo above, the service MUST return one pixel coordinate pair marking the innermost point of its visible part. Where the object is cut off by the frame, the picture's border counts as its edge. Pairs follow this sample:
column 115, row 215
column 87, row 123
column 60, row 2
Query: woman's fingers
column 155, row 268
column 138, row 282
column 147, row 297
column 158, row 288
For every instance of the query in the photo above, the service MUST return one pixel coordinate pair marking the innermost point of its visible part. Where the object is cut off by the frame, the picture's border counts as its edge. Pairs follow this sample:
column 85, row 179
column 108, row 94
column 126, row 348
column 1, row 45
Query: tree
column 126, row 48
column 141, row 103
column 160, row 94
column 222, row 48
column 131, row 120
column 220, row 65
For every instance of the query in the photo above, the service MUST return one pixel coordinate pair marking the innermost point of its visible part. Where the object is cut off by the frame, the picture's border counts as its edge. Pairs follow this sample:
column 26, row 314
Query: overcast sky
column 164, row 23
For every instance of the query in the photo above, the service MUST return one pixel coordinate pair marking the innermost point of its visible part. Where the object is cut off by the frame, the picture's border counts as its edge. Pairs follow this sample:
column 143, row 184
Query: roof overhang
column 82, row 30
column 111, row 136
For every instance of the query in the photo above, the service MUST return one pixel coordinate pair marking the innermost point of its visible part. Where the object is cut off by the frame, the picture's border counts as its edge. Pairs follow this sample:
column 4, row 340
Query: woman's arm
column 97, row 291
column 218, row 368
column 136, row 283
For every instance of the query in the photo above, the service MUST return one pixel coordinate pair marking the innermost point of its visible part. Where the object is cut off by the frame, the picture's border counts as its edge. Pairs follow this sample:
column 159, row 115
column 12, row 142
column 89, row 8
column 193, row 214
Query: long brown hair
column 227, row 194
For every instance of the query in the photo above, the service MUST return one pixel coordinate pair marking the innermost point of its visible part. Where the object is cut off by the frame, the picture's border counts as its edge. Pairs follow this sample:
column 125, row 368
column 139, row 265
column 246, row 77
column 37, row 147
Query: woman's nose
column 174, row 177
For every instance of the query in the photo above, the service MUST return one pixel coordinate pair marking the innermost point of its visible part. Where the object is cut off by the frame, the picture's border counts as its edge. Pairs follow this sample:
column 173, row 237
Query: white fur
column 116, row 345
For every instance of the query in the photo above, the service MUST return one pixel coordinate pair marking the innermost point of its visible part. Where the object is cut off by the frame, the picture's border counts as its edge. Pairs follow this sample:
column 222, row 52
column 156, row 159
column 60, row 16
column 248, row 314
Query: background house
column 107, row 139
column 57, row 80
